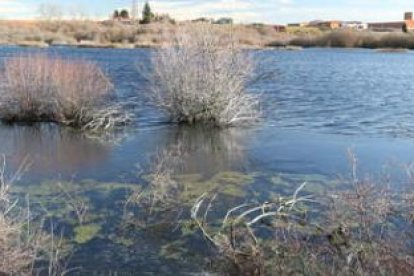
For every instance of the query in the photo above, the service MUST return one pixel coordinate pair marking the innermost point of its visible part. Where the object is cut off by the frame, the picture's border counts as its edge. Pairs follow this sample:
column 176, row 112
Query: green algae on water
column 85, row 233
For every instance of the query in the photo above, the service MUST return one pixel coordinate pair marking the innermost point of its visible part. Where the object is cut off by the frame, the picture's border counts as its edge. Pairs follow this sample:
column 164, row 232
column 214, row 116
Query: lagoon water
column 318, row 104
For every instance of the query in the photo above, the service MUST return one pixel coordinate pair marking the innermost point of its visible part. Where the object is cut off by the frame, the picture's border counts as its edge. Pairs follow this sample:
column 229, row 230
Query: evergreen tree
column 124, row 14
column 116, row 14
column 147, row 15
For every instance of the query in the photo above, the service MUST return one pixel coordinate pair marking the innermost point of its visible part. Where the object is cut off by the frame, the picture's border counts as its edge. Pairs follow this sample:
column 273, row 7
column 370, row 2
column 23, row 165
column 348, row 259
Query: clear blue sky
column 269, row 11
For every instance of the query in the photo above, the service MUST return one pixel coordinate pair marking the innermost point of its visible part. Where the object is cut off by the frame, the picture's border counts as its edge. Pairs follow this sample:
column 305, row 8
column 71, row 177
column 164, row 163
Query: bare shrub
column 161, row 188
column 204, row 78
column 38, row 88
column 236, row 239
column 77, row 205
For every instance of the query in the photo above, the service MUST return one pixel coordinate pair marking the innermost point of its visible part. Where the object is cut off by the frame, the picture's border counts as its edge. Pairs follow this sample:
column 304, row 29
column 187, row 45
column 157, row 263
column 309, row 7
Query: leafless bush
column 77, row 205
column 236, row 239
column 37, row 88
column 204, row 78
column 162, row 186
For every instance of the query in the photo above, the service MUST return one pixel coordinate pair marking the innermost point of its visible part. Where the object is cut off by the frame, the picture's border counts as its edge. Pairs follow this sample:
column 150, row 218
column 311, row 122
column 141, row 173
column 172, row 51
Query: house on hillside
column 303, row 24
column 397, row 26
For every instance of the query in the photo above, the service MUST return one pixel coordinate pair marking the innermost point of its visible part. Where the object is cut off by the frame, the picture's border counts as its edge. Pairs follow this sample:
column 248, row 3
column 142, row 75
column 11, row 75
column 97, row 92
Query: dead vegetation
column 353, row 39
column 39, row 88
column 25, row 249
column 235, row 238
column 161, row 188
column 213, row 88
column 112, row 33
column 363, row 229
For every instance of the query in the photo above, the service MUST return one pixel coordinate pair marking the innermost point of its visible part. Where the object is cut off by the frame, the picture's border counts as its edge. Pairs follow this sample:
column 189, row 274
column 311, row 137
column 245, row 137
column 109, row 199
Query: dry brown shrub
column 38, row 88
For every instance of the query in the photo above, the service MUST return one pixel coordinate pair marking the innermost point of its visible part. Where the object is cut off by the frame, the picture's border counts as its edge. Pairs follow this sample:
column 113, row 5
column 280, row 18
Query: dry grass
column 38, row 88
column 213, row 87
column 88, row 33
column 352, row 39
column 72, row 32
column 23, row 243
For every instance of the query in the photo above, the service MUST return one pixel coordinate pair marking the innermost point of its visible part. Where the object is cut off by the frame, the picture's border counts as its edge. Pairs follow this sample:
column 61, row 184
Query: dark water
column 319, row 104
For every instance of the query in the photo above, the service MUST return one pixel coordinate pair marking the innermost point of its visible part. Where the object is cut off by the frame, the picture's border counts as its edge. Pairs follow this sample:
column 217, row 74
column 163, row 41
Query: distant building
column 409, row 25
column 406, row 25
column 354, row 25
column 303, row 24
column 331, row 25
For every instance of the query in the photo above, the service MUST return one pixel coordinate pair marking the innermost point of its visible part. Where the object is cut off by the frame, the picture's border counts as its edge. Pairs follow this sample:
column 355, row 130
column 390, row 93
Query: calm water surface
column 319, row 104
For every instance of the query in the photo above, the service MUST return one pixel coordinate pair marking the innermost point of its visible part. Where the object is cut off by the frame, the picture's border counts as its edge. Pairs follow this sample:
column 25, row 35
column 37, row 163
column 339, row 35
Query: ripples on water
column 358, row 92
column 350, row 92
column 318, row 104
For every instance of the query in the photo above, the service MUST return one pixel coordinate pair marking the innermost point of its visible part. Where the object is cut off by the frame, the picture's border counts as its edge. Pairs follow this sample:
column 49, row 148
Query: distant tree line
column 48, row 11
column 147, row 15
column 123, row 14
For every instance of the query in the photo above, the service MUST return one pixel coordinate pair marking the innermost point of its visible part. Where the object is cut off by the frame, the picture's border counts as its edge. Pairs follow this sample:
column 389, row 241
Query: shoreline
column 115, row 35
column 293, row 48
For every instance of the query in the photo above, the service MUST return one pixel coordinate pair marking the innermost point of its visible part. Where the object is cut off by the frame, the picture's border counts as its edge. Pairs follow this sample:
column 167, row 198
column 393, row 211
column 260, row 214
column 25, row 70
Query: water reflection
column 207, row 151
column 66, row 153
column 191, row 161
column 51, row 148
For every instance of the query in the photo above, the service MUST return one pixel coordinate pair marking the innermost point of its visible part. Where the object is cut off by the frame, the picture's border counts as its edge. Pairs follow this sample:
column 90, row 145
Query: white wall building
column 355, row 25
